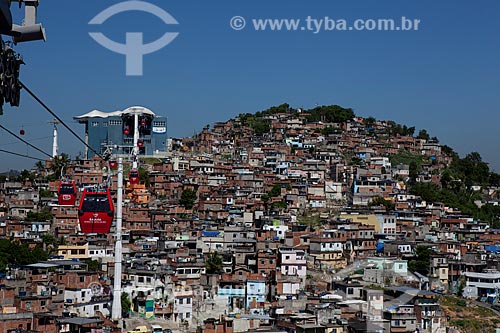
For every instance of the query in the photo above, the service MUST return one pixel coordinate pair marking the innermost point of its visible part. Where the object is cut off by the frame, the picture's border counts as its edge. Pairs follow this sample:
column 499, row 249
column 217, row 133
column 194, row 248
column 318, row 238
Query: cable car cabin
column 96, row 212
column 133, row 177
column 66, row 194
column 113, row 165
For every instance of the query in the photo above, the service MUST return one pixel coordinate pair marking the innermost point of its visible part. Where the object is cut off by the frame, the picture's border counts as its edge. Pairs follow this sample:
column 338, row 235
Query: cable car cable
column 31, row 140
column 26, row 142
column 22, row 155
column 58, row 119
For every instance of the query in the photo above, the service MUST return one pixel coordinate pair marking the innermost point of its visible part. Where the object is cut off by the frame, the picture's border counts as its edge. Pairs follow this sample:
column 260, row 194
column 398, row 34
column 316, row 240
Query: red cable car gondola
column 21, row 131
column 96, row 212
column 140, row 143
column 113, row 165
column 126, row 131
column 143, row 123
column 66, row 193
column 133, row 177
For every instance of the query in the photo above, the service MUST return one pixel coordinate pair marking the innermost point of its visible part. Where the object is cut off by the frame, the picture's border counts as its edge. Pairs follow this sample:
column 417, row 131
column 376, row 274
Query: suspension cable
column 22, row 155
column 26, row 142
column 58, row 119
column 30, row 140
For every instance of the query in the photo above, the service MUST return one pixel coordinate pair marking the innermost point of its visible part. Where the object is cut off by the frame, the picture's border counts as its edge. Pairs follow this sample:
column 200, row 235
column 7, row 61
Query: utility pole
column 117, row 286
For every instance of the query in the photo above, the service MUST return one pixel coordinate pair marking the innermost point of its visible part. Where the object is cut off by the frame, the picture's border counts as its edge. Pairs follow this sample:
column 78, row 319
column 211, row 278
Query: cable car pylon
column 116, row 313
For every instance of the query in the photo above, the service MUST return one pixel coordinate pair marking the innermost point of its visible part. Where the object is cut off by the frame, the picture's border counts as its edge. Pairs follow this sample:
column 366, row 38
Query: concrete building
column 136, row 124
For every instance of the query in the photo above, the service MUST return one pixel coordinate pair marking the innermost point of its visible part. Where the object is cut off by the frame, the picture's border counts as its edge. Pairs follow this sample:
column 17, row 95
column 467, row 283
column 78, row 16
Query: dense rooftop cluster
column 284, row 220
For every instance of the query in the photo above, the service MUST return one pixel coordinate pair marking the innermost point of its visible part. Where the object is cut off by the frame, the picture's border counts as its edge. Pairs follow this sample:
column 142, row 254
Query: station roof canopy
column 129, row 111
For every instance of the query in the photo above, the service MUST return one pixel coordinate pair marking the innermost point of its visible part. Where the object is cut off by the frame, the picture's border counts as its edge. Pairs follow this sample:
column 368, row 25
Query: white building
column 292, row 262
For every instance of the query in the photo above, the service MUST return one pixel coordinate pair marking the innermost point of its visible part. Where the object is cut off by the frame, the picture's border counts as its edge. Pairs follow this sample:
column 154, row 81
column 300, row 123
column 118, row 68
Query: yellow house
column 74, row 251
column 368, row 219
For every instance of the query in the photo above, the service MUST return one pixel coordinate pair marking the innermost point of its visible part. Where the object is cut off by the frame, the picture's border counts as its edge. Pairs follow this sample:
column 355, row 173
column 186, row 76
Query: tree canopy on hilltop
column 330, row 114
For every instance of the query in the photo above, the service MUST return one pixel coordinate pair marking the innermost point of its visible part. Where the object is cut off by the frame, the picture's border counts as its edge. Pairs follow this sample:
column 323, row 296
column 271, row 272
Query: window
column 95, row 124
column 188, row 300
column 188, row 315
column 115, row 122
column 82, row 278
column 350, row 291
column 181, row 301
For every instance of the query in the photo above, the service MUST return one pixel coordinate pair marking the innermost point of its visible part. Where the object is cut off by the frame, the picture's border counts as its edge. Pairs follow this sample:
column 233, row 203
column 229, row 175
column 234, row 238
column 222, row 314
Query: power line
column 57, row 117
column 26, row 142
column 22, row 155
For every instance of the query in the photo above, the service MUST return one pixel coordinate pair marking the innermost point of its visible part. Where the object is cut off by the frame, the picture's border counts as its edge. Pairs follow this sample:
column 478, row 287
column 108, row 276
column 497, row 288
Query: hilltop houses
column 292, row 221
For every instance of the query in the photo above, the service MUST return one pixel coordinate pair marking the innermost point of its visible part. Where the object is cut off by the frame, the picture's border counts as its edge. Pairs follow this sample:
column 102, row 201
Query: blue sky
column 444, row 77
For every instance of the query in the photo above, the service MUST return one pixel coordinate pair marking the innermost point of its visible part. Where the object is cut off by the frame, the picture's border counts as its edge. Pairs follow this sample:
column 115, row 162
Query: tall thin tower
column 55, row 147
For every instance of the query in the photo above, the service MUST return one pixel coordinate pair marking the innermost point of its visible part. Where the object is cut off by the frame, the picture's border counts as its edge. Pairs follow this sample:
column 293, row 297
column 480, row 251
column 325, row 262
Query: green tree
column 279, row 205
column 126, row 304
column 413, row 172
column 422, row 134
column 41, row 216
column 260, row 126
column 144, row 176
column 330, row 114
column 49, row 242
column 275, row 191
column 15, row 253
column 58, row 163
column 380, row 201
column 283, row 108
column 40, row 166
column 93, row 265
column 421, row 263
column 213, row 263
column 369, row 122
column 188, row 198
column 26, row 175
column 44, row 193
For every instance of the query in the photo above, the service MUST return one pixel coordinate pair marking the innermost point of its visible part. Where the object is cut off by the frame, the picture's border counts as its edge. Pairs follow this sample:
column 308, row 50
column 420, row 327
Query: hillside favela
column 283, row 220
